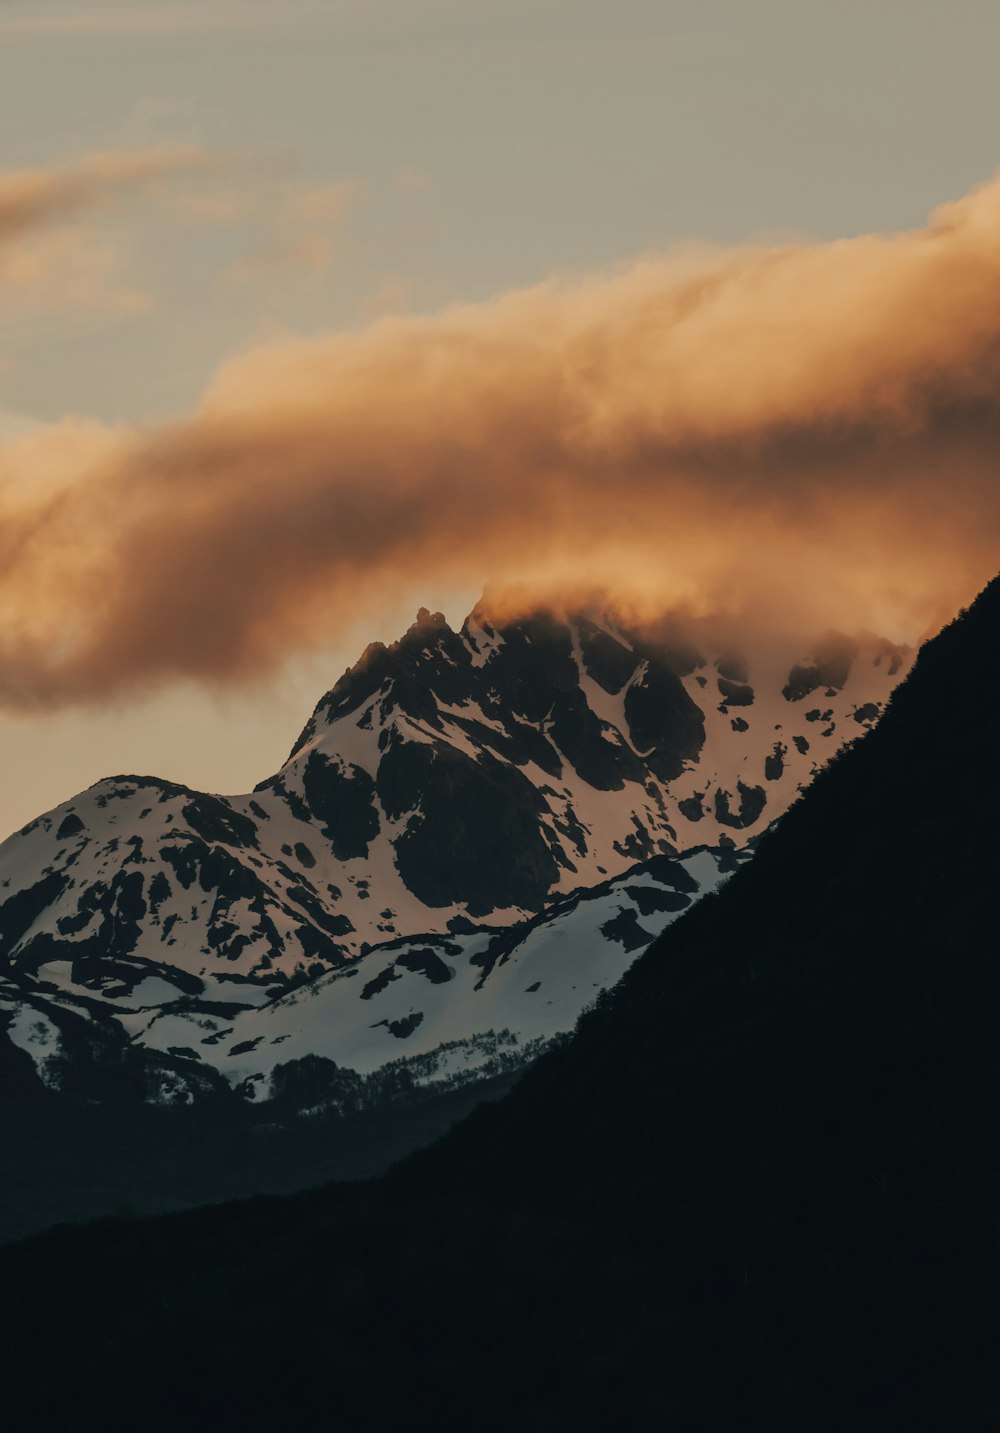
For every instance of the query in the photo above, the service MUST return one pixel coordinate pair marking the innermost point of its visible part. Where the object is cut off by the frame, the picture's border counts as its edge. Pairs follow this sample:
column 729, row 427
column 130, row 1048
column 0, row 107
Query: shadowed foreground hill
column 760, row 1188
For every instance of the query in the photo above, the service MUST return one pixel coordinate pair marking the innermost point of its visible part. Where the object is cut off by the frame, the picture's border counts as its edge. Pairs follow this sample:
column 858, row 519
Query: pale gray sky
column 401, row 154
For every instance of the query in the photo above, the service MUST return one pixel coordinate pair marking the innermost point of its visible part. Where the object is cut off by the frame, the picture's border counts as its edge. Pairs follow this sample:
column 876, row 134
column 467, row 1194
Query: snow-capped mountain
column 474, row 835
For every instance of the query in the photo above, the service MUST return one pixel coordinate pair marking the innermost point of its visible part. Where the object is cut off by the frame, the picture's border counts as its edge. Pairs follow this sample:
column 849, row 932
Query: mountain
column 461, row 810
column 758, row 1188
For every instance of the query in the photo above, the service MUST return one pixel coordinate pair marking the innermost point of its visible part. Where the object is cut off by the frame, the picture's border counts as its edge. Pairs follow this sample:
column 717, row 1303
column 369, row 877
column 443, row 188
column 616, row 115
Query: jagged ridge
column 447, row 785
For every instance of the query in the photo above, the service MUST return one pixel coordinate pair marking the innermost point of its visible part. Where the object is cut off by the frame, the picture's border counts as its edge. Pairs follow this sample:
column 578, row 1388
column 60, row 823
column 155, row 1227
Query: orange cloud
column 70, row 268
column 52, row 258
column 55, row 258
column 817, row 425
column 32, row 198
column 304, row 226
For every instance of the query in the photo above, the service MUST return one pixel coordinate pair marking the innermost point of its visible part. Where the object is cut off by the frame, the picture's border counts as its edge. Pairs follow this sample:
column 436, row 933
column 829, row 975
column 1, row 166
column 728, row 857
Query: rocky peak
column 449, row 788
column 456, row 776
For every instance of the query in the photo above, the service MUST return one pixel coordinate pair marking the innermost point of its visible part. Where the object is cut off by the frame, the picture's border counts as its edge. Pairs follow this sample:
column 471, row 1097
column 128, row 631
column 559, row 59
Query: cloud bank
column 817, row 425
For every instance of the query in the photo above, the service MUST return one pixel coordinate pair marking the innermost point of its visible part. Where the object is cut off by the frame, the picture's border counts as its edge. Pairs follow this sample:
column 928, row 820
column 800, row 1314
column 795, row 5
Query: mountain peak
column 427, row 621
column 451, row 790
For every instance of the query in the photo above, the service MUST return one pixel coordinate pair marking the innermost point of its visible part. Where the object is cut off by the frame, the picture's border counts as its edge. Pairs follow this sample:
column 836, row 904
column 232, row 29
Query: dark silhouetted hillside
column 760, row 1188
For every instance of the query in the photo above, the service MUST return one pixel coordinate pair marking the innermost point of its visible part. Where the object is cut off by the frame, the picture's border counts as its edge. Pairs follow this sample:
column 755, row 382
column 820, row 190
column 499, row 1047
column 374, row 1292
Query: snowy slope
column 449, row 1007
column 449, row 788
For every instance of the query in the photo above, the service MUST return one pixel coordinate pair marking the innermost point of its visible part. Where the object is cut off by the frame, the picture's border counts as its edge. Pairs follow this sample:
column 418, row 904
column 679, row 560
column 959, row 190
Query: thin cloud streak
column 31, row 198
column 816, row 425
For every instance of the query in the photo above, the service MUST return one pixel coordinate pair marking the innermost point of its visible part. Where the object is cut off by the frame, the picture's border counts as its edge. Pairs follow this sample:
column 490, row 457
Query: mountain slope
column 448, row 788
column 758, row 1189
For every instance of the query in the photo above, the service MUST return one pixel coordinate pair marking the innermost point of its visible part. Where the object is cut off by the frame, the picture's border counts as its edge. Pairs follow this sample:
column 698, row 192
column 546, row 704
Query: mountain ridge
column 448, row 786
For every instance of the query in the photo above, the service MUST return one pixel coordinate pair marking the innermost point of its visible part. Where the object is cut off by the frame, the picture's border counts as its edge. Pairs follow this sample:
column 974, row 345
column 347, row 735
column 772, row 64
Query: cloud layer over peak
column 814, row 422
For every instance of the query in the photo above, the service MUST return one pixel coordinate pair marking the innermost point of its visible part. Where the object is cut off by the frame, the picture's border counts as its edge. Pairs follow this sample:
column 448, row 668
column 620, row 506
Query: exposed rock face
column 452, row 783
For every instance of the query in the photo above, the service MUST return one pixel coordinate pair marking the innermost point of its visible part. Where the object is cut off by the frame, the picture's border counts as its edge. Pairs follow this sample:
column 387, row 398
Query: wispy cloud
column 304, row 231
column 34, row 198
column 74, row 269
column 53, row 257
column 64, row 247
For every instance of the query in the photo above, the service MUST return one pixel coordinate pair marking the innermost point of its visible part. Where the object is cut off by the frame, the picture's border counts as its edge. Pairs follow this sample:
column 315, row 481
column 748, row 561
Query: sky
column 311, row 314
